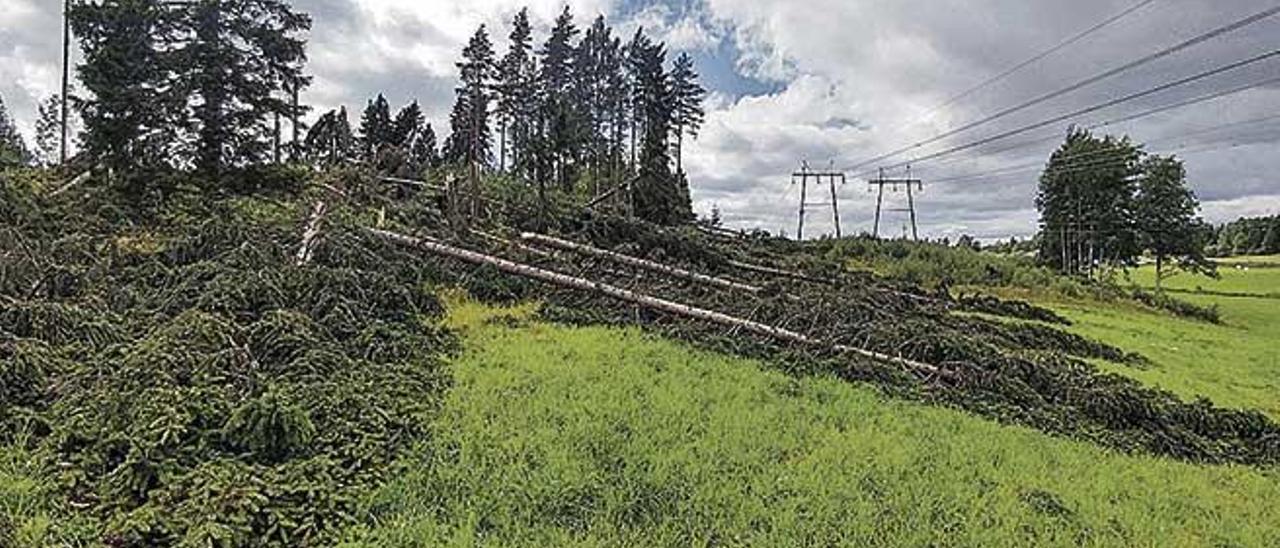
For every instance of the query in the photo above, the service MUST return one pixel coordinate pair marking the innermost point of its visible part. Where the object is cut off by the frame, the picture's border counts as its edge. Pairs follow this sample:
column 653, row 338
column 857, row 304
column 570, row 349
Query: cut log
column 309, row 234
column 626, row 295
column 609, row 194
column 583, row 249
column 778, row 272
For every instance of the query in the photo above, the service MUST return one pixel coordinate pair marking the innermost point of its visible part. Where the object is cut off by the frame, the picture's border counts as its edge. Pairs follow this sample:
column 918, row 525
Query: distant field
column 558, row 436
column 1239, row 275
column 1236, row 364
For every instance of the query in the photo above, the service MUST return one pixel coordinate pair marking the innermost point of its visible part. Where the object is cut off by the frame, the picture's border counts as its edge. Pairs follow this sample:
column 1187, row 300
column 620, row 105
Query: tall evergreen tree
column 559, row 113
column 424, row 155
column 242, row 59
column 658, row 197
column 633, row 61
column 1086, row 203
column 470, row 141
column 132, row 113
column 375, row 127
column 1168, row 225
column 687, row 95
column 405, row 127
column 516, row 94
column 49, row 131
column 13, row 151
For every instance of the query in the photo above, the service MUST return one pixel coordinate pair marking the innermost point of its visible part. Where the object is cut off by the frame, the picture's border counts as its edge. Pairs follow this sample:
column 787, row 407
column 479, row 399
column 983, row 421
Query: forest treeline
column 213, row 86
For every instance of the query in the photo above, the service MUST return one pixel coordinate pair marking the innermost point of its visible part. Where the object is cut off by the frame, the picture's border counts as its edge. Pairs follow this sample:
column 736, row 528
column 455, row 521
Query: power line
column 1237, row 25
column 1059, row 47
column 1131, row 117
column 1088, row 110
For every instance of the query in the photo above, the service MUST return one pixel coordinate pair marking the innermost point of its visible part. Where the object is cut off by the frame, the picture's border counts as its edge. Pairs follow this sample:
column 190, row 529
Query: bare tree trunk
column 625, row 295
column 672, row 271
column 309, row 235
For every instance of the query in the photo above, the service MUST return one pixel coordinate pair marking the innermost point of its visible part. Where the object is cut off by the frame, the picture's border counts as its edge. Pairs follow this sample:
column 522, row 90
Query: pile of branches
column 200, row 387
column 1018, row 372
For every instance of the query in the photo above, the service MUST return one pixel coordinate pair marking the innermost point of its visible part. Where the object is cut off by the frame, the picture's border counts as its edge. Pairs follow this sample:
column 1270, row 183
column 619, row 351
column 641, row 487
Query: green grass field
column 1239, row 275
column 1235, row 364
column 559, row 436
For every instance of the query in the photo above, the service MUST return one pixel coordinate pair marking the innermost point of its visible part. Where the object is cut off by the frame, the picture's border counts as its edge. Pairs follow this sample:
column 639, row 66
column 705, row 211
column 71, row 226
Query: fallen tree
column 663, row 305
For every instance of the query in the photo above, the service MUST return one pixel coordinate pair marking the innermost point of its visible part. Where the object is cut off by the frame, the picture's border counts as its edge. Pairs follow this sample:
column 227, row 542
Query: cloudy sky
column 835, row 82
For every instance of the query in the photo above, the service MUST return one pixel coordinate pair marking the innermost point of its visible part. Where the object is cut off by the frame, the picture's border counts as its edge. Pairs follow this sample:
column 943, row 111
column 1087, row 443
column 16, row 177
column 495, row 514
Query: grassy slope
column 559, row 436
column 1236, row 364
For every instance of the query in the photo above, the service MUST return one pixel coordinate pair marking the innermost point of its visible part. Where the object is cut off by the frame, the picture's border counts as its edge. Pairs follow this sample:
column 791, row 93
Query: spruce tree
column 405, row 127
column 659, row 197
column 469, row 142
column 132, row 111
column 559, row 113
column 424, row 155
column 13, row 151
column 49, row 131
column 242, row 59
column 516, row 95
column 688, row 96
column 330, row 140
column 375, row 127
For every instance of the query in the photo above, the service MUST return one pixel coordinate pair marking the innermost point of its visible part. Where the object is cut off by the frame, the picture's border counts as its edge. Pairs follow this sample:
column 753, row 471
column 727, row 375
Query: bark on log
column 672, row 271
column 309, row 234
column 647, row 301
column 414, row 182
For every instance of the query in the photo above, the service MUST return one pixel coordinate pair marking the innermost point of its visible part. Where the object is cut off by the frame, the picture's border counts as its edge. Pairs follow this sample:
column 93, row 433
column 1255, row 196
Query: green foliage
column 1248, row 236
column 188, row 384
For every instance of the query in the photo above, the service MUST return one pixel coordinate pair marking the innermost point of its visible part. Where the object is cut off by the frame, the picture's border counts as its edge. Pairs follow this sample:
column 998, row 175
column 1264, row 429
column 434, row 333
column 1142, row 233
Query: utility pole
column 880, row 182
column 830, row 176
column 66, row 75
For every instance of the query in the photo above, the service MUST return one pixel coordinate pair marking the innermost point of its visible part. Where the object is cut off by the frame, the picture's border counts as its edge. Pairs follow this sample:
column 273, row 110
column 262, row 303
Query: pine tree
column 242, row 61
column 516, row 94
column 469, row 141
column 49, row 131
column 13, row 151
column 375, row 127
column 688, row 96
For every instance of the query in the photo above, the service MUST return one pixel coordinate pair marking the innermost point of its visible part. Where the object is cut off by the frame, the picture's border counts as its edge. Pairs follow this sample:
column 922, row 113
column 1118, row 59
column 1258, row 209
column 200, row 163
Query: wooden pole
column 626, row 295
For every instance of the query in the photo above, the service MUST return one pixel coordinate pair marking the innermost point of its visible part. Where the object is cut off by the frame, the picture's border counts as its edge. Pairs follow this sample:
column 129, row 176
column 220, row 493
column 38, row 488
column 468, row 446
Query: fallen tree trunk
column 646, row 301
column 309, row 234
column 75, row 182
column 413, row 182
column 608, row 194
column 778, row 272
column 672, row 271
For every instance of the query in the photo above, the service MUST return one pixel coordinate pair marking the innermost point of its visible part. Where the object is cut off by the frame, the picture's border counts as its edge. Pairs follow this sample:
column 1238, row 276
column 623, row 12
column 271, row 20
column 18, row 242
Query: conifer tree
column 424, row 155
column 131, row 113
column 330, row 140
column 242, row 60
column 407, row 124
column 13, row 151
column 516, row 94
column 556, row 82
column 49, row 131
column 375, row 127
column 687, row 95
column 659, row 197
column 469, row 141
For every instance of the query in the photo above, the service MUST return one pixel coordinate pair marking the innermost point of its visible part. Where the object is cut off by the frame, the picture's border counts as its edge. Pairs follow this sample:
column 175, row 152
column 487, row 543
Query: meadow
column 1233, row 364
column 599, row 436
